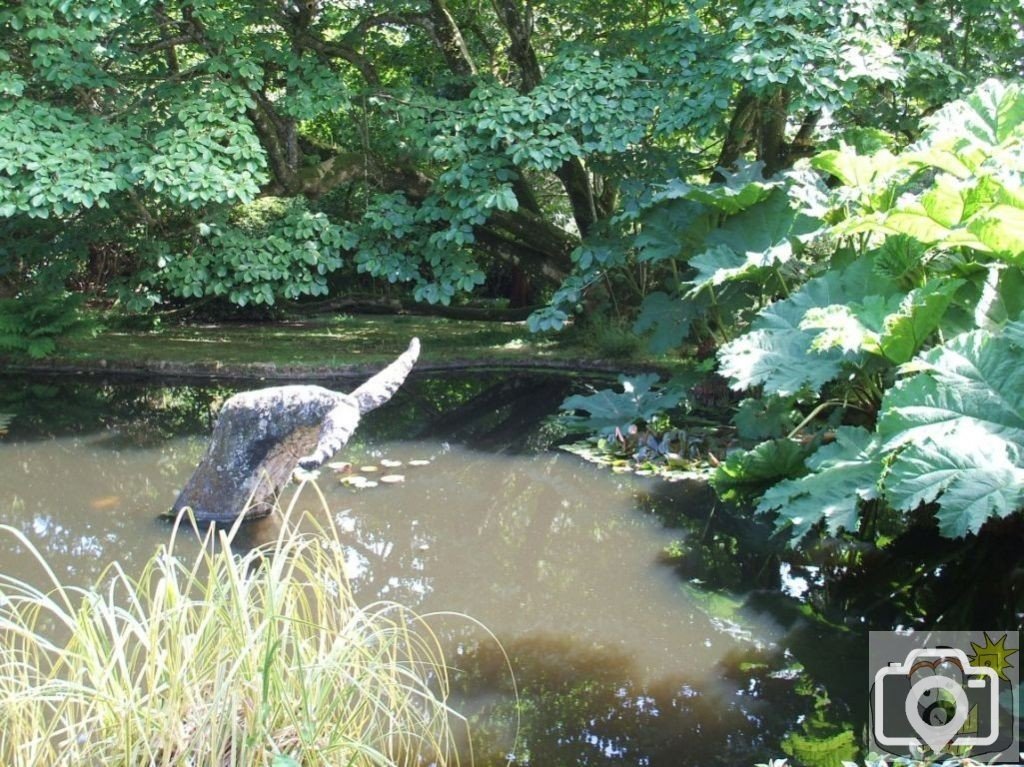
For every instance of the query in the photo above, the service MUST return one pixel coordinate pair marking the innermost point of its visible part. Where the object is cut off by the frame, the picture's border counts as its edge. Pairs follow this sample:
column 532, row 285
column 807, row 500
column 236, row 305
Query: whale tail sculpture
column 262, row 436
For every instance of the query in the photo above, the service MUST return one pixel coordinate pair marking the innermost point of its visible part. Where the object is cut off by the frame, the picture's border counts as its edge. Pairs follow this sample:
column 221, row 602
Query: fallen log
column 262, row 436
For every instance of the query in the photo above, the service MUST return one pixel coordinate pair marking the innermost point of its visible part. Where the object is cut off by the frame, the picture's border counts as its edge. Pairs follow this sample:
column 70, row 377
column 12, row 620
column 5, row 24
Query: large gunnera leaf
column 843, row 473
column 778, row 353
column 894, row 326
column 667, row 318
column 976, row 200
column 608, row 410
column 987, row 117
column 958, row 432
column 759, row 238
column 740, row 190
column 747, row 472
column 972, row 477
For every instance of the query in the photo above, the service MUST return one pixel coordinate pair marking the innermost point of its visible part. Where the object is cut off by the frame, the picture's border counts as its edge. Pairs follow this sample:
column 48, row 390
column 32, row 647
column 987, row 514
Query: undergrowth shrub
column 32, row 322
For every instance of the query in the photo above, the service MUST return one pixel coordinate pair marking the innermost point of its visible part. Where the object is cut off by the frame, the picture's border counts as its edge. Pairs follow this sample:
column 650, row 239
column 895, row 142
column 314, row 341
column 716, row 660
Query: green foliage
column 269, row 249
column 892, row 327
column 956, row 430
column 54, row 161
column 731, row 241
column 759, row 237
column 779, row 351
column 564, row 301
column 207, row 153
column 738, row 191
column 608, row 411
column 446, row 145
column 667, row 319
column 761, row 418
column 609, row 339
column 402, row 242
column 841, row 475
column 32, row 323
column 973, row 147
column 911, row 324
column 837, row 750
column 747, row 472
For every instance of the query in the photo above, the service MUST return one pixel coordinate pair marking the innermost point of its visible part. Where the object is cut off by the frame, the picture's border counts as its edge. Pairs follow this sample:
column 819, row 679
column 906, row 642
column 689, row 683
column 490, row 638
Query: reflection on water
column 617, row 658
column 84, row 501
column 586, row 706
column 525, row 544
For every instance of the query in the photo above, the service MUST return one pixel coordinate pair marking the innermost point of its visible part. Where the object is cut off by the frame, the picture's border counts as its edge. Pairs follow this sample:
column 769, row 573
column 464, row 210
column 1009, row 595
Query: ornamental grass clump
column 219, row 658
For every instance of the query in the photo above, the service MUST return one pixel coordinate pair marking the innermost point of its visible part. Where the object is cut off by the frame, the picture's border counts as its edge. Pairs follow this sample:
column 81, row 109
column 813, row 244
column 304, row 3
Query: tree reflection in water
column 585, row 705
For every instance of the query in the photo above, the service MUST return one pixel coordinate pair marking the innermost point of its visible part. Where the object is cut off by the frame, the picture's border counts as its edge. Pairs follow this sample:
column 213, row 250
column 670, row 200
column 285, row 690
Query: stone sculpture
column 262, row 436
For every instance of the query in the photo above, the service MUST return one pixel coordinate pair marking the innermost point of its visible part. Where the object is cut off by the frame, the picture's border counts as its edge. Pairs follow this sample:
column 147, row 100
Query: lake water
column 618, row 656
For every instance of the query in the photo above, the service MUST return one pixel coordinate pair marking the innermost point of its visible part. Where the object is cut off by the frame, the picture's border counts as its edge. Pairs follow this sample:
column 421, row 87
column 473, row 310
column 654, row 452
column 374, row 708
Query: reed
column 219, row 658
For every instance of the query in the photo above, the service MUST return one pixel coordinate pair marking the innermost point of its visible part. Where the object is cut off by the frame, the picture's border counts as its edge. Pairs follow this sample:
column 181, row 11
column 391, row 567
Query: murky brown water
column 616, row 660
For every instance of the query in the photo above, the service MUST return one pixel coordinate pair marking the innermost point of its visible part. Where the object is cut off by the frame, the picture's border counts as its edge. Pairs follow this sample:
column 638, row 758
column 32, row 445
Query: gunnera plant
column 217, row 659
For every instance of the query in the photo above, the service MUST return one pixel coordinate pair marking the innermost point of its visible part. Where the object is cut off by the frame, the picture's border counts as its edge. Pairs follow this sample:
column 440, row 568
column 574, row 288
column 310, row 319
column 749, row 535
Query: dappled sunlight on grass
column 336, row 341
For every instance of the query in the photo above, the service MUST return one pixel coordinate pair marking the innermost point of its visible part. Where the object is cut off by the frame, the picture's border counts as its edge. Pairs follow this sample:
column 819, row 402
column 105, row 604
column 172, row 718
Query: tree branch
column 268, row 127
column 573, row 173
column 518, row 254
column 449, row 37
column 331, row 49
column 537, row 233
column 355, row 35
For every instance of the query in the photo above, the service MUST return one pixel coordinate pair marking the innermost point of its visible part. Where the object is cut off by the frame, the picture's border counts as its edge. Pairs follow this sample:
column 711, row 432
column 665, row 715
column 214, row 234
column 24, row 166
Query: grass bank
column 325, row 347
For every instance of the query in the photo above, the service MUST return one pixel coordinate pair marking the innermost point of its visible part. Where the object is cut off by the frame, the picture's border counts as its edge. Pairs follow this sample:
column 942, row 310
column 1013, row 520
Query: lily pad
column 392, row 479
column 358, row 482
column 368, row 469
column 390, row 463
column 419, row 462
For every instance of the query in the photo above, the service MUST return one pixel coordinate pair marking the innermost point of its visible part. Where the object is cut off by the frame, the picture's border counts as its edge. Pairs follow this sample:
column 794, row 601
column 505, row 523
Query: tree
column 424, row 138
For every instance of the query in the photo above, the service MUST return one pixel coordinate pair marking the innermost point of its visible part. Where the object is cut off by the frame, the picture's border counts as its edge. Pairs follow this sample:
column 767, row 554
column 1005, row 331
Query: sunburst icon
column 993, row 655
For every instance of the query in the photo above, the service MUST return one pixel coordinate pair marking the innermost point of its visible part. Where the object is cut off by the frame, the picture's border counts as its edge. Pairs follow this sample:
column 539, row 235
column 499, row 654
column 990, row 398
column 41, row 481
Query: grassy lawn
column 333, row 342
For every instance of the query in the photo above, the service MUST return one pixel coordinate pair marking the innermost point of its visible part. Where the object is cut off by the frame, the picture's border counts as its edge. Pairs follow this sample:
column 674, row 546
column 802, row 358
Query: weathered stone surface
column 261, row 437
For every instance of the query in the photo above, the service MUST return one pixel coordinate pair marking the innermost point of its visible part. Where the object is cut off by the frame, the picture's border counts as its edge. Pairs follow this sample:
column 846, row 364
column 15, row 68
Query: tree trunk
column 772, row 149
column 449, row 39
column 740, row 134
column 573, row 173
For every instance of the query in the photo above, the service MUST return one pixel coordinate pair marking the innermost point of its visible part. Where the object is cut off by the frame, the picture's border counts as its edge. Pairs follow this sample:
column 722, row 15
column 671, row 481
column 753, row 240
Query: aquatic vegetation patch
column 218, row 658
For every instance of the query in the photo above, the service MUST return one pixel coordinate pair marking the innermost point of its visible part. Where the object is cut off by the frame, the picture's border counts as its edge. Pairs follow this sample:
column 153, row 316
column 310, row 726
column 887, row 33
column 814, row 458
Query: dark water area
column 645, row 623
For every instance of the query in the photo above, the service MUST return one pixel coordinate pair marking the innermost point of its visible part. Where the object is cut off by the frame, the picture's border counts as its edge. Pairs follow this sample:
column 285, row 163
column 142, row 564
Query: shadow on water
column 582, row 705
column 646, row 623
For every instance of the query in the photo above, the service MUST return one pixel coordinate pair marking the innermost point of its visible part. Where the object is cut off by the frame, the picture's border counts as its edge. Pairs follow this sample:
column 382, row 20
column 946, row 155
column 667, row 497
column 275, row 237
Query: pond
column 623, row 652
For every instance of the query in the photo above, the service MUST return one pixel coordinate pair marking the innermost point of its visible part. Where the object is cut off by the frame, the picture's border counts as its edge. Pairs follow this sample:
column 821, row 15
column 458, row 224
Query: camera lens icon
column 935, row 697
